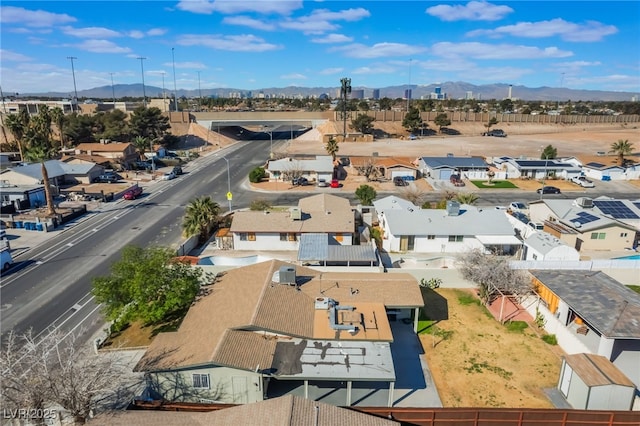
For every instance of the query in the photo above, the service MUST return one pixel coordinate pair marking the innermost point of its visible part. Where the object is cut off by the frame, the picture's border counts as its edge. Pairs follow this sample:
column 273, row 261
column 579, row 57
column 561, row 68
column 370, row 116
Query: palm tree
column 140, row 142
column 332, row 147
column 17, row 125
column 57, row 116
column 200, row 215
column 621, row 148
column 467, row 198
column 40, row 153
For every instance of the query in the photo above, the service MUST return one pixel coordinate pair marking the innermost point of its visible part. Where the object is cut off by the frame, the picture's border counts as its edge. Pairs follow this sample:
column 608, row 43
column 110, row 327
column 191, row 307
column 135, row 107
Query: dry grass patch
column 478, row 362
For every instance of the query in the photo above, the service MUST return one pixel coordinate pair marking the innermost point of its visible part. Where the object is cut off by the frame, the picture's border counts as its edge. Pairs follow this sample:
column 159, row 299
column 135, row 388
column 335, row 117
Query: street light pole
column 175, row 86
column 228, row 182
column 409, row 90
column 144, row 93
column 270, row 141
column 113, row 90
column 73, row 71
column 546, row 160
column 199, row 94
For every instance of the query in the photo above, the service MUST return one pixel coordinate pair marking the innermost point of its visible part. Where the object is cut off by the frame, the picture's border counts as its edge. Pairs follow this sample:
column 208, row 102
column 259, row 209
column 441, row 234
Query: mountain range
column 453, row 90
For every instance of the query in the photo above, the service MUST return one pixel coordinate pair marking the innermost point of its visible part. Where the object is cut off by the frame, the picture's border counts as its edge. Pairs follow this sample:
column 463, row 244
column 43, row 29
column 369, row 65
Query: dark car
column 398, row 181
column 548, row 190
column 499, row 133
column 521, row 217
column 177, row 170
column 300, row 181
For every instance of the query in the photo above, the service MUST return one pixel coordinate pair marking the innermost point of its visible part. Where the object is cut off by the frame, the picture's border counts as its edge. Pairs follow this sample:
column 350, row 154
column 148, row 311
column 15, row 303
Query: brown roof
column 98, row 159
column 596, row 370
column 283, row 411
column 321, row 213
column 247, row 299
column 104, row 147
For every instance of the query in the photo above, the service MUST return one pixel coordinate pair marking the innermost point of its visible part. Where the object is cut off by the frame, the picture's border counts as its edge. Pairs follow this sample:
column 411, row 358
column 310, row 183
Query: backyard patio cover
column 320, row 247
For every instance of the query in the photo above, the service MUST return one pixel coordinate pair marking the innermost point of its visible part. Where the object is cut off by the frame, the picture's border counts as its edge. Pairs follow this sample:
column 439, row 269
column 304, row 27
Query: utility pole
column 175, row 86
column 113, row 90
column 409, row 90
column 144, row 92
column 75, row 89
column 199, row 93
column 345, row 89
column 164, row 96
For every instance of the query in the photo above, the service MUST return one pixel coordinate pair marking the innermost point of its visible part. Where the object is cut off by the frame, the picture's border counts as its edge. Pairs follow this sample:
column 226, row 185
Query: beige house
column 273, row 322
column 122, row 152
column 281, row 230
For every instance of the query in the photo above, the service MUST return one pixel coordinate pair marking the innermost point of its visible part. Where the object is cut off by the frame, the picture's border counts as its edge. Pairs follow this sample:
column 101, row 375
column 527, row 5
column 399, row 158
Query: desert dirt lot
column 482, row 363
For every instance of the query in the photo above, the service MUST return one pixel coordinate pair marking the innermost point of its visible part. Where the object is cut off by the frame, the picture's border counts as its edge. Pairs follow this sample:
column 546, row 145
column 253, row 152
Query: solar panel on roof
column 616, row 209
column 637, row 204
column 584, row 217
column 595, row 164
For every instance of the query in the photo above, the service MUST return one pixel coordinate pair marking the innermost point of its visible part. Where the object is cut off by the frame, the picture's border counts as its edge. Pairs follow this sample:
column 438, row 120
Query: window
column 598, row 235
column 535, row 257
column 455, row 238
column 252, row 236
column 431, row 237
column 201, row 381
column 293, row 237
column 243, row 236
column 283, row 236
column 623, row 234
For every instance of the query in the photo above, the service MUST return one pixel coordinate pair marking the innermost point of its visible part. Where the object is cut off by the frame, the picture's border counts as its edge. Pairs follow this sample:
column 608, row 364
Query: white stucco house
column 281, row 230
column 607, row 167
column 31, row 174
column 537, row 169
column 320, row 167
column 441, row 168
column 544, row 246
column 458, row 229
column 590, row 312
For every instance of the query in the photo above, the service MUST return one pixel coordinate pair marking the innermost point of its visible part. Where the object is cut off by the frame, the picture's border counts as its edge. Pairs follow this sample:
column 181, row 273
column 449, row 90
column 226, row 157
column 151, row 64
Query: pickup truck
column 582, row 181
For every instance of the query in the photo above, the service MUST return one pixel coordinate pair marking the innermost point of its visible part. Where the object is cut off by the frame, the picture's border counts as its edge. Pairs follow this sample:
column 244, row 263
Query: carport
column 323, row 249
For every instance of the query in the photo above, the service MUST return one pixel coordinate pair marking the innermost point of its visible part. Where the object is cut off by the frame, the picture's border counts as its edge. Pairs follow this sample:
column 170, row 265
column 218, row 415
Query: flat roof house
column 442, row 168
column 458, row 229
column 537, row 169
column 281, row 230
column 272, row 323
column 590, row 312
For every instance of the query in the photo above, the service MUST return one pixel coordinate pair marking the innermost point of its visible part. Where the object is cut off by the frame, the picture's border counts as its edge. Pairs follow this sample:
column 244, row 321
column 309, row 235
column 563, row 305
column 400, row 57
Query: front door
column 404, row 242
column 578, row 245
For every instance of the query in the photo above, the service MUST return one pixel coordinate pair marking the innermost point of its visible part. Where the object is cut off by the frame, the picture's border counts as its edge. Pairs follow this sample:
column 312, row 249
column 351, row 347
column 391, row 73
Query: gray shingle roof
column 608, row 306
column 321, row 163
column 34, row 170
column 465, row 162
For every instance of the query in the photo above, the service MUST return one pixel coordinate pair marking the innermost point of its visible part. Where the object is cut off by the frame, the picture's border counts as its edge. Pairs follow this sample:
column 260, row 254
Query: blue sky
column 260, row 44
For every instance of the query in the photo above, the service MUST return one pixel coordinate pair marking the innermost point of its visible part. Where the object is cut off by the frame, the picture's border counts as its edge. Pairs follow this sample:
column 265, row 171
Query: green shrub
column 260, row 205
column 465, row 299
column 517, row 326
column 550, row 339
column 256, row 175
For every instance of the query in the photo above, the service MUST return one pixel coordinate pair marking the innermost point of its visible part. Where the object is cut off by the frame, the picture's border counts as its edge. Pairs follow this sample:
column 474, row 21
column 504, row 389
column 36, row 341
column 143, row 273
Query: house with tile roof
column 388, row 167
column 314, row 169
column 122, row 152
column 281, row 230
column 407, row 228
column 441, row 168
column 273, row 322
column 590, row 312
column 601, row 223
column 285, row 410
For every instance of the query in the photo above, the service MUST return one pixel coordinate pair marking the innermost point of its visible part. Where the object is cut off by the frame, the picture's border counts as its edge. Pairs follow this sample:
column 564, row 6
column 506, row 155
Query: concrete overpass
column 260, row 119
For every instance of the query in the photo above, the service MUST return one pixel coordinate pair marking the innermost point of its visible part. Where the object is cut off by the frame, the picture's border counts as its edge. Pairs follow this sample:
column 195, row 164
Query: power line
column 75, row 89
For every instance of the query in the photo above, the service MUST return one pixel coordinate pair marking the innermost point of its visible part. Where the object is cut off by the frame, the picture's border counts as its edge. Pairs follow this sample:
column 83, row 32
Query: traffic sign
column 229, row 196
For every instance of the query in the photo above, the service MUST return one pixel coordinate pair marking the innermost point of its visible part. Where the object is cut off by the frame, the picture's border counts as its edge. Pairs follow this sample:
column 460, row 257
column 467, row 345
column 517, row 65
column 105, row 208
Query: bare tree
column 492, row 274
column 368, row 169
column 294, row 170
column 413, row 194
column 56, row 370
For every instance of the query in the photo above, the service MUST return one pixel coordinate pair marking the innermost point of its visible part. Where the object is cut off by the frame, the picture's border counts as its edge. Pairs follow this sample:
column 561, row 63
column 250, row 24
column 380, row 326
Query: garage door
column 401, row 173
column 445, row 174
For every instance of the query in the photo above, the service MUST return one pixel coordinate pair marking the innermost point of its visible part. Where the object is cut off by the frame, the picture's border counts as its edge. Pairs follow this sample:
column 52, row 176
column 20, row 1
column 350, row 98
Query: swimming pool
column 232, row 261
column 632, row 257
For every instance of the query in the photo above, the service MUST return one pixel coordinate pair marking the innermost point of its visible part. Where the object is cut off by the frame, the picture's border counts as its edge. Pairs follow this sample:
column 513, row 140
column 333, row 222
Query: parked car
column 548, row 190
column 335, row 183
column 455, row 180
column 177, row 170
column 536, row 225
column 582, row 181
column 518, row 206
column 300, row 181
column 345, row 161
column 107, row 178
column 398, row 181
column 521, row 217
column 133, row 193
column 412, row 137
column 168, row 176
column 499, row 133
column 322, row 183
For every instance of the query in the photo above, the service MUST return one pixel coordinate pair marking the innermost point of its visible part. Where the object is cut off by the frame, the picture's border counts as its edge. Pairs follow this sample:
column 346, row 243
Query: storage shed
column 592, row 382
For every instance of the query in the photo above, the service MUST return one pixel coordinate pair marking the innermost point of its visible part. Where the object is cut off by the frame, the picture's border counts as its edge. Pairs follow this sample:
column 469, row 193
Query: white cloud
column 472, row 11
column 578, row 64
column 156, row 32
column 135, row 34
column 8, row 55
column 33, row 18
column 246, row 21
column 234, row 43
column 377, row 69
column 189, row 65
column 330, row 71
column 101, row 46
column 496, row 51
column 320, row 20
column 90, row 32
column 378, row 50
column 332, row 38
column 207, row 7
column 294, row 76
column 569, row 31
column 617, row 82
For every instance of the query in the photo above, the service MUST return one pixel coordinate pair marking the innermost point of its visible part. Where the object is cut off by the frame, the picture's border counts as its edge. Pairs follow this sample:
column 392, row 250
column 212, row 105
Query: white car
column 582, row 181
column 168, row 176
column 518, row 206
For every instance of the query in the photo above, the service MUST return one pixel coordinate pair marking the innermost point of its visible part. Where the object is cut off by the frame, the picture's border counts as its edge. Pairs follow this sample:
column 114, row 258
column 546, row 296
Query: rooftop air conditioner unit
column 584, row 202
column 296, row 213
column 453, row 208
column 287, row 275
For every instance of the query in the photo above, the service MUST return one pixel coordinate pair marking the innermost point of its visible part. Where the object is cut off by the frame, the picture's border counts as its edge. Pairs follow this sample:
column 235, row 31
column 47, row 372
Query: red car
column 335, row 183
column 133, row 193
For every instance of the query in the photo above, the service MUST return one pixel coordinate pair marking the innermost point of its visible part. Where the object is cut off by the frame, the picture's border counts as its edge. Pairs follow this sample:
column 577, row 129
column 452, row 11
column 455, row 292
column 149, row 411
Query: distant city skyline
column 257, row 45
